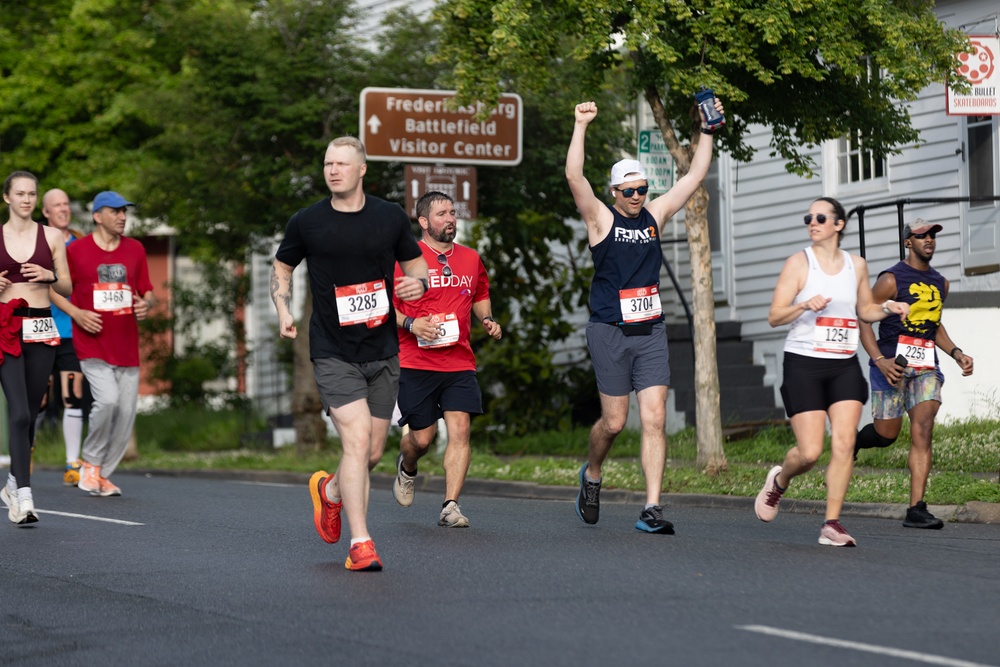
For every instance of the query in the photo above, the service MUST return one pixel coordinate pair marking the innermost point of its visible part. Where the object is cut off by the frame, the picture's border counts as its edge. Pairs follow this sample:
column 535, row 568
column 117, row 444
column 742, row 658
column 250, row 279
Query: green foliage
column 800, row 67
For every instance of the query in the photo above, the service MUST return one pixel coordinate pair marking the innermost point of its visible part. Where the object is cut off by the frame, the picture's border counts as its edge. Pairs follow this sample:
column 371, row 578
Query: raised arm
column 665, row 206
column 595, row 214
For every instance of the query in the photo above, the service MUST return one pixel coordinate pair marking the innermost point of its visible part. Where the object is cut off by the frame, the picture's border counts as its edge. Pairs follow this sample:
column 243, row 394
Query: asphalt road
column 183, row 571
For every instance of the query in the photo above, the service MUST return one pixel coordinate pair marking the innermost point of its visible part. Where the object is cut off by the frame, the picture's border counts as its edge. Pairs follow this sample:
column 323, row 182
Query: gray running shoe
column 651, row 521
column 402, row 486
column 588, row 501
column 452, row 517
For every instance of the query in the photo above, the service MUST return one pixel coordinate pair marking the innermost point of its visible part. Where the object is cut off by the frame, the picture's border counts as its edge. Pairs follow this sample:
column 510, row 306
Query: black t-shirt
column 343, row 249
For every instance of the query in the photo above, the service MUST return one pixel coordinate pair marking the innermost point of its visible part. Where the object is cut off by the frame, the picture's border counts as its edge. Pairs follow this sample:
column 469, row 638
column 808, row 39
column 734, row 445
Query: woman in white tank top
column 822, row 292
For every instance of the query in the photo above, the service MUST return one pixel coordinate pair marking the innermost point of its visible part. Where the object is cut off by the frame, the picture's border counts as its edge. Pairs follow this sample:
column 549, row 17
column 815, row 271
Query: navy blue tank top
column 628, row 257
column 924, row 291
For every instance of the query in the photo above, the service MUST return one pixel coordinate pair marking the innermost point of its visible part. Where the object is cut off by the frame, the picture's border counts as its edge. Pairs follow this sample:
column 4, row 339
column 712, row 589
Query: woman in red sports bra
column 32, row 258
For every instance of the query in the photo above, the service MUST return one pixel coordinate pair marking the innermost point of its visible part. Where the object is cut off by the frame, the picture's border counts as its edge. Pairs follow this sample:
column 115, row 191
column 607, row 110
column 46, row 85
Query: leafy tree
column 534, row 258
column 799, row 67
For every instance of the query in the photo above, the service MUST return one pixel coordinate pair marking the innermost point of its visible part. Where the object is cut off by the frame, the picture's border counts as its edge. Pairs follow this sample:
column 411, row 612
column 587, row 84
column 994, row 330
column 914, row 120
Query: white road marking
column 71, row 515
column 278, row 484
column 860, row 646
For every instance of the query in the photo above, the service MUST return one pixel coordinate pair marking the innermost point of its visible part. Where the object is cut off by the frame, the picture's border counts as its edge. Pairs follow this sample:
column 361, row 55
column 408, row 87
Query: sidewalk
column 971, row 512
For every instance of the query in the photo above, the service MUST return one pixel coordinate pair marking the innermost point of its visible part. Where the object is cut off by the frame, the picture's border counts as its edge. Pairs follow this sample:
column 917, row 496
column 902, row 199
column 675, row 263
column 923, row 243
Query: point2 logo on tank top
column 647, row 235
column 112, row 273
column 925, row 310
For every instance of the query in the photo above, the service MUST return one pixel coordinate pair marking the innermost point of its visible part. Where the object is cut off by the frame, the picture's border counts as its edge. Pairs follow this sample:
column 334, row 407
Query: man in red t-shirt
column 437, row 375
column 111, row 286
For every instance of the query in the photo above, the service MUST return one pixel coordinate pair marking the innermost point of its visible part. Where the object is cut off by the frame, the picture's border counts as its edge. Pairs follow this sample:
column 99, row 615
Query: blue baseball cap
column 110, row 199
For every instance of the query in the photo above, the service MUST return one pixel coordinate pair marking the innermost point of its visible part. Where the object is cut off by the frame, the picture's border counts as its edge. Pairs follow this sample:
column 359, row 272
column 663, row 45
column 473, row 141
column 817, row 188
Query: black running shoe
column 918, row 517
column 651, row 521
column 588, row 501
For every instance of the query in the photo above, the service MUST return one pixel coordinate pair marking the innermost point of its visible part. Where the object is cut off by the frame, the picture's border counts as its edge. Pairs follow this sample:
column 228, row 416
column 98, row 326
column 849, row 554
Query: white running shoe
column 402, row 486
column 452, row 517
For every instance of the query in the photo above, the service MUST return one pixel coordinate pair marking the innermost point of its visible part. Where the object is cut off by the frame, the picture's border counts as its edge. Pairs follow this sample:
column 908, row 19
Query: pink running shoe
column 766, row 504
column 833, row 535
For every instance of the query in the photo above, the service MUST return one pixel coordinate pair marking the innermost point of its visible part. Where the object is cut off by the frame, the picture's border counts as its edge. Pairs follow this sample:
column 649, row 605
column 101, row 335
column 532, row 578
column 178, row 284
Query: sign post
column 414, row 125
column 459, row 183
column 656, row 160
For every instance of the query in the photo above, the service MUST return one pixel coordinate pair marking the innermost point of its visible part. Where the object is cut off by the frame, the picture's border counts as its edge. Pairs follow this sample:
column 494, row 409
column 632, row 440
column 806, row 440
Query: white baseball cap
column 632, row 169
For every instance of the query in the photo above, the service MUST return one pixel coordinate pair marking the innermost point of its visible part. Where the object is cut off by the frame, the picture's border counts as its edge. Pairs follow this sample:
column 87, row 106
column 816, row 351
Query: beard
column 441, row 235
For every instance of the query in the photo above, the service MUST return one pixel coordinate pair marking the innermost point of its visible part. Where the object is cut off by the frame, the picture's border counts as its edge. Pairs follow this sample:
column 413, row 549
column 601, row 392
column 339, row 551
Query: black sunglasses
column 933, row 235
column 443, row 260
column 628, row 192
column 821, row 218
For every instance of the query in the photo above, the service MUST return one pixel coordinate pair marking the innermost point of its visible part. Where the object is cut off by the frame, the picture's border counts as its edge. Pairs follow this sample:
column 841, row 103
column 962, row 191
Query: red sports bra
column 42, row 257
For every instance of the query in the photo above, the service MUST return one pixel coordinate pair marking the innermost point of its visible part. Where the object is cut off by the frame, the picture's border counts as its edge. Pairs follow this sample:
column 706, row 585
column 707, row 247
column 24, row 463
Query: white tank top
column 833, row 333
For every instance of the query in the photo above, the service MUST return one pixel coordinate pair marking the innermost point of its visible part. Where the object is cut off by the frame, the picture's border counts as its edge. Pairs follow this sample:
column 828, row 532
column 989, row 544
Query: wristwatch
column 423, row 281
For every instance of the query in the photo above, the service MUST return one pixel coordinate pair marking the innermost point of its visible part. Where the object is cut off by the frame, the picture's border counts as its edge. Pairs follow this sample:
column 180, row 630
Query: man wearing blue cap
column 626, row 334
column 111, row 285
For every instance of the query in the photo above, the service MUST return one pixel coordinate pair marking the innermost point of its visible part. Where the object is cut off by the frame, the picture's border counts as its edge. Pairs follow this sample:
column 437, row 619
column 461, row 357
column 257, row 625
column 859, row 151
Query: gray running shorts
column 341, row 382
column 624, row 364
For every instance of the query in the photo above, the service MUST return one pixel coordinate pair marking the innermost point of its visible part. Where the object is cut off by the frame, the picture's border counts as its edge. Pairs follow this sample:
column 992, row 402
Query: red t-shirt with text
column 454, row 294
column 118, row 341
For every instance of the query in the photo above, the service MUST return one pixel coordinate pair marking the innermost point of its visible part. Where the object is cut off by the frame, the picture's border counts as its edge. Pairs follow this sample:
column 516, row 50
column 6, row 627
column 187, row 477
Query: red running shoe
column 362, row 557
column 326, row 514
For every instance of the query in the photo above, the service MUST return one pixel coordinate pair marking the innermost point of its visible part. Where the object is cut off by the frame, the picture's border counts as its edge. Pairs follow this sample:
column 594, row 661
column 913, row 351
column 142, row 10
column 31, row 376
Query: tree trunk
column 307, row 409
column 708, row 415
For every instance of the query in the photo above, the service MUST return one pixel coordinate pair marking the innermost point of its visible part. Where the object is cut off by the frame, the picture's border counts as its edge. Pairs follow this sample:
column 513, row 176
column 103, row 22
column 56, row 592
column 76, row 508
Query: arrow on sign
column 466, row 190
column 414, row 188
column 373, row 124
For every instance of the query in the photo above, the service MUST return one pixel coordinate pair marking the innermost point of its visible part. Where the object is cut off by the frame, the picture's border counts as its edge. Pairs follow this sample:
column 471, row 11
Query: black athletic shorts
column 816, row 384
column 424, row 396
column 66, row 359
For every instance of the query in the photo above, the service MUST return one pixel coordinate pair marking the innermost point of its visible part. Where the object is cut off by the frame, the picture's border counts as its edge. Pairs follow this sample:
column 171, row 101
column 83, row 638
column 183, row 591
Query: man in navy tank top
column 913, row 388
column 626, row 334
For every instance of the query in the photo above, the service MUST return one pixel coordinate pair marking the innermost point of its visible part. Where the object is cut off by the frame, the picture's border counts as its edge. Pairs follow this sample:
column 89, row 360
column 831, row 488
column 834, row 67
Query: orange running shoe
column 107, row 488
column 326, row 514
column 362, row 557
column 90, row 479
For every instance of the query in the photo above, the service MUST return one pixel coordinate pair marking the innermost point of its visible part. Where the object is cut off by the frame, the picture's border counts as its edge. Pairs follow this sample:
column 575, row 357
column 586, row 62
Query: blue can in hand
column 705, row 97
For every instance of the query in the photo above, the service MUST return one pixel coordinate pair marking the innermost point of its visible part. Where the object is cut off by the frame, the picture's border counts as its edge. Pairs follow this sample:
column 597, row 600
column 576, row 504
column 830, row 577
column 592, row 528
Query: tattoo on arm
column 286, row 297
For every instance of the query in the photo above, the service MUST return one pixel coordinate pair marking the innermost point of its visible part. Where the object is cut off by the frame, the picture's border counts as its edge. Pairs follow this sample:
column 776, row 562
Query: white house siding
column 767, row 205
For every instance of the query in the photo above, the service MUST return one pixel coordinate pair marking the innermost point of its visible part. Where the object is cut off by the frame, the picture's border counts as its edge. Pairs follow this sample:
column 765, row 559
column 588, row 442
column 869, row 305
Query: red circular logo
column 978, row 65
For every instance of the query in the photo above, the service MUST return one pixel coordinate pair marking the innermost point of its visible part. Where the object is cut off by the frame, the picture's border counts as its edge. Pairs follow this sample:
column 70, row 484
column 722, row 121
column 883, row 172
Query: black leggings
column 24, row 379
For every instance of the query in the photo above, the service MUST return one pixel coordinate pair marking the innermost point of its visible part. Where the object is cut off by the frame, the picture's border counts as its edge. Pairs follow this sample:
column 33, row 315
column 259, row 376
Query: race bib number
column 640, row 304
column 919, row 352
column 364, row 303
column 838, row 335
column 39, row 330
column 447, row 324
column 113, row 298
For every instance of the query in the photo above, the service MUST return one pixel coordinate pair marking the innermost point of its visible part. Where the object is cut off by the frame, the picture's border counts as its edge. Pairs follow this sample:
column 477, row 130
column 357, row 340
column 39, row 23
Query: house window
column 857, row 164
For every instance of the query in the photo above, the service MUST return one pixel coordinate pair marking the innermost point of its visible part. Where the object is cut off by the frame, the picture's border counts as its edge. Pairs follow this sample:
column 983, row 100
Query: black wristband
column 55, row 279
column 489, row 318
column 953, row 350
column 408, row 323
column 707, row 131
column 423, row 281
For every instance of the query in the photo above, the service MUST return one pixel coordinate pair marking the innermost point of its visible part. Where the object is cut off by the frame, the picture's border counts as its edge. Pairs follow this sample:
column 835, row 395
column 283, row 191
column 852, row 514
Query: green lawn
column 966, row 459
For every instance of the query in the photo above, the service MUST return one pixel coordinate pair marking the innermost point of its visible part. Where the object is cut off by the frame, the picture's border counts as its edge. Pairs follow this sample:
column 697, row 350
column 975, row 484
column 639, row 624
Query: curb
column 971, row 512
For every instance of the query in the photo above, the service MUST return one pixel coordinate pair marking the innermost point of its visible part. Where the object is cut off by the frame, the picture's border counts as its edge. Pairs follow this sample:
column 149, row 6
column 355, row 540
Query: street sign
column 656, row 160
column 459, row 183
column 414, row 125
